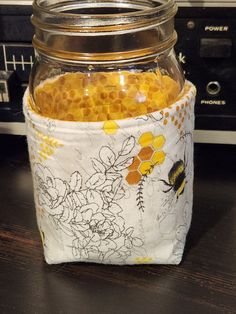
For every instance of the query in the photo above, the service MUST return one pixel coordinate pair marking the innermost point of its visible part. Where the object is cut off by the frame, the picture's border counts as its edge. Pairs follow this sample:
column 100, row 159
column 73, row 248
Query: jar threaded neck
column 107, row 30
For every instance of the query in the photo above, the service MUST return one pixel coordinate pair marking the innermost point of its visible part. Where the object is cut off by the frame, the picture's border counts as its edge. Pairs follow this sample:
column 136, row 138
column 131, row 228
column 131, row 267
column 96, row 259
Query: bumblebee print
column 174, row 187
column 177, row 178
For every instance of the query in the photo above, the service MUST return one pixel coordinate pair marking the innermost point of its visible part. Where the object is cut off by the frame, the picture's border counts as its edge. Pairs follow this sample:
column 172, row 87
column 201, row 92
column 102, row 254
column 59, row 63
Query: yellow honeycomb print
column 110, row 127
column 181, row 113
column 150, row 155
column 146, row 168
column 146, row 139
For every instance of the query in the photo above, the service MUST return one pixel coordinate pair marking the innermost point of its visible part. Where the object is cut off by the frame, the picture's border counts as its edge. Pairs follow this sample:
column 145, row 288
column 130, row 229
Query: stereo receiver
column 206, row 48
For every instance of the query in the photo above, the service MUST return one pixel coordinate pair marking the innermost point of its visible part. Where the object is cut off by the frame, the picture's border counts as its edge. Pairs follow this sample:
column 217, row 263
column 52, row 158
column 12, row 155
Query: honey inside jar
column 101, row 96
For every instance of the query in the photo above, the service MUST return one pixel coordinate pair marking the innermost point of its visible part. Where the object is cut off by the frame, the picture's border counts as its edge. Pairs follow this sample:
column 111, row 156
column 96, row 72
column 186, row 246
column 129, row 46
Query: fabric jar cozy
column 114, row 192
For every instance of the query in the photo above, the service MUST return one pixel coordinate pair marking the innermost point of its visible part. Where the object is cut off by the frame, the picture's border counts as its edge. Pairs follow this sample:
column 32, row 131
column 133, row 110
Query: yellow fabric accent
column 48, row 145
column 143, row 260
column 158, row 142
column 145, row 139
column 110, row 127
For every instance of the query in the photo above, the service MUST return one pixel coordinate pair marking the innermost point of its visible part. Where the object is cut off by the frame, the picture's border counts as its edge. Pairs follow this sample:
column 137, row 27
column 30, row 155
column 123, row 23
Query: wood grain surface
column 205, row 282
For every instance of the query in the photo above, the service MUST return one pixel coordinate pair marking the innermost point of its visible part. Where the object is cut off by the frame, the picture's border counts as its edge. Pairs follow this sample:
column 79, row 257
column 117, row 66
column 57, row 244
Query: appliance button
column 215, row 47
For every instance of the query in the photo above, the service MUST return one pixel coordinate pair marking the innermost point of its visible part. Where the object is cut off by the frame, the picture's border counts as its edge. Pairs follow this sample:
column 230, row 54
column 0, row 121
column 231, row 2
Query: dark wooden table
column 205, row 282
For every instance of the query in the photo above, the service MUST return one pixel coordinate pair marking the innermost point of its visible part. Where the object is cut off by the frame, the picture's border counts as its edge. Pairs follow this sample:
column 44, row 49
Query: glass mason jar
column 98, row 60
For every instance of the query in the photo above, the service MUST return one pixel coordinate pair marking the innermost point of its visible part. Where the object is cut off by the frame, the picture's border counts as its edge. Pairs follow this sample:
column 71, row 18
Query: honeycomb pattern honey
column 104, row 96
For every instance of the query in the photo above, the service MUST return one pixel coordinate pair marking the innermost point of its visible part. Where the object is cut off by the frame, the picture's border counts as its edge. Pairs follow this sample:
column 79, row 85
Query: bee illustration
column 177, row 178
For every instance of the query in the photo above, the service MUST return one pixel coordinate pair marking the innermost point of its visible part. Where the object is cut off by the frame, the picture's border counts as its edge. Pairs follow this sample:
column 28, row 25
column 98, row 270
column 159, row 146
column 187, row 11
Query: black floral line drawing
column 140, row 196
column 152, row 117
column 88, row 211
column 184, row 136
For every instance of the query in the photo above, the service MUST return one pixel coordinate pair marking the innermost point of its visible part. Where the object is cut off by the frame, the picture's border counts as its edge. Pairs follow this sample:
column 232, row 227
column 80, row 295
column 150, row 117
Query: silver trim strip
column 16, row 2
column 215, row 137
column 204, row 4
column 14, row 128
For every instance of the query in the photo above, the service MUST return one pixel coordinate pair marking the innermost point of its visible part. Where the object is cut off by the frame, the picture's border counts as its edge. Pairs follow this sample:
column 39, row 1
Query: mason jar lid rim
column 159, row 9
